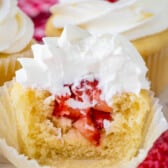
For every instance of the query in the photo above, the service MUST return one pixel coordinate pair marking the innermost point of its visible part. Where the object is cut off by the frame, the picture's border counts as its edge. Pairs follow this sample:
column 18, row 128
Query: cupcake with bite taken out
column 16, row 31
column 82, row 101
column 144, row 22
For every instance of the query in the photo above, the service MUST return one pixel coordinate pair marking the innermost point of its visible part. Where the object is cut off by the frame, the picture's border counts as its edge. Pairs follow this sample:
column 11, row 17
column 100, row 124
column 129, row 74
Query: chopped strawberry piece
column 96, row 93
column 87, row 129
column 99, row 117
column 73, row 114
column 102, row 106
column 61, row 110
column 62, row 99
column 93, row 84
column 58, row 108
column 88, row 121
column 88, row 88
column 158, row 155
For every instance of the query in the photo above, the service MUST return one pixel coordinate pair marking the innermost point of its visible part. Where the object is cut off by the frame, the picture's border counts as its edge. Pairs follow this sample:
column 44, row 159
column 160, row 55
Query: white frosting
column 132, row 18
column 16, row 29
column 78, row 55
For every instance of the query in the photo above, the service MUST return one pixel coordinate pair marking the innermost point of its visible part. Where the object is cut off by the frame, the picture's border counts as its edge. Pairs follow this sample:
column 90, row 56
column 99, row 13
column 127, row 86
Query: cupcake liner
column 3, row 160
column 6, row 165
column 164, row 101
column 157, row 126
column 17, row 159
column 158, row 69
column 9, row 145
column 9, row 63
column 8, row 127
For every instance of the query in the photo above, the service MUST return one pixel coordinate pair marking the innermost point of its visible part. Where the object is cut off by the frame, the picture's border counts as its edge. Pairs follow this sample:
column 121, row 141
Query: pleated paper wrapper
column 157, row 64
column 9, row 145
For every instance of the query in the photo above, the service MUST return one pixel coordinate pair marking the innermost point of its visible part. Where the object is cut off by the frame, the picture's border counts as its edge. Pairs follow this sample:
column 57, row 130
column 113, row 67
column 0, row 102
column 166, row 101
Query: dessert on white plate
column 83, row 100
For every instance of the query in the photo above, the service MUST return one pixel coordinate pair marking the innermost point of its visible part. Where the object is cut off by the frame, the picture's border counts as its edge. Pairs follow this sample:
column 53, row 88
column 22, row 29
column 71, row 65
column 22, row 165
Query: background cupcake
column 143, row 22
column 39, row 12
column 16, row 31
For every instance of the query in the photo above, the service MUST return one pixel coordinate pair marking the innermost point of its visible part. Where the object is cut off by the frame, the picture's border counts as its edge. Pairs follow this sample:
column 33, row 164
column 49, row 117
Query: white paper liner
column 9, row 144
column 164, row 101
column 157, row 126
column 158, row 69
column 16, row 159
column 3, row 160
column 8, row 128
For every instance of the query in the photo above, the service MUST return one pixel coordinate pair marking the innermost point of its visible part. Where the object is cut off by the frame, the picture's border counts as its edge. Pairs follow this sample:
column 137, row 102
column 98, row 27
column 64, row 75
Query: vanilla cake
column 82, row 99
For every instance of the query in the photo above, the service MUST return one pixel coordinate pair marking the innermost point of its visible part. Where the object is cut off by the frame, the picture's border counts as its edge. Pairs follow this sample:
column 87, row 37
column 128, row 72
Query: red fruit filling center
column 88, row 120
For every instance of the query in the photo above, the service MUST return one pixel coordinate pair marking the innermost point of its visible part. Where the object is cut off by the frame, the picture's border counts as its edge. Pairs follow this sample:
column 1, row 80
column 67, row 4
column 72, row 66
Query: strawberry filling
column 88, row 120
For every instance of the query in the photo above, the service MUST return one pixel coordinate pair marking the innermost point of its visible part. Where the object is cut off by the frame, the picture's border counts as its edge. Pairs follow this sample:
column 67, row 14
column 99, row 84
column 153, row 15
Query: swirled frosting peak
column 78, row 55
column 16, row 29
column 132, row 18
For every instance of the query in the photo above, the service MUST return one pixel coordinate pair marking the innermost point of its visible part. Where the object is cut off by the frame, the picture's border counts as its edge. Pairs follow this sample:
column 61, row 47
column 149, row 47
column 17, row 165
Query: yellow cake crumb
column 48, row 140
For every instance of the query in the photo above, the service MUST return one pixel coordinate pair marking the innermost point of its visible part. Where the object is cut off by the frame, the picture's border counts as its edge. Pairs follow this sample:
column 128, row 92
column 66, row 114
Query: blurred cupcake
column 39, row 12
column 99, row 115
column 141, row 21
column 16, row 31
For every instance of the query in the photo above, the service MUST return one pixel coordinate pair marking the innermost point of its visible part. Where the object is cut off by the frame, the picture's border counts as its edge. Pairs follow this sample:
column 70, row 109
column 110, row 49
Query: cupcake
column 38, row 11
column 16, row 31
column 82, row 101
column 141, row 21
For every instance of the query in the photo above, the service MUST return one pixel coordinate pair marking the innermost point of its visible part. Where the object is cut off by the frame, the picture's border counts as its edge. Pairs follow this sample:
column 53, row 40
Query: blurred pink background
column 38, row 10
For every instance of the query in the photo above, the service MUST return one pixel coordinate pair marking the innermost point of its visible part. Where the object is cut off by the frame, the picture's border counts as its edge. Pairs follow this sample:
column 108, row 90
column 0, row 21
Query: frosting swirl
column 132, row 18
column 78, row 55
column 16, row 29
